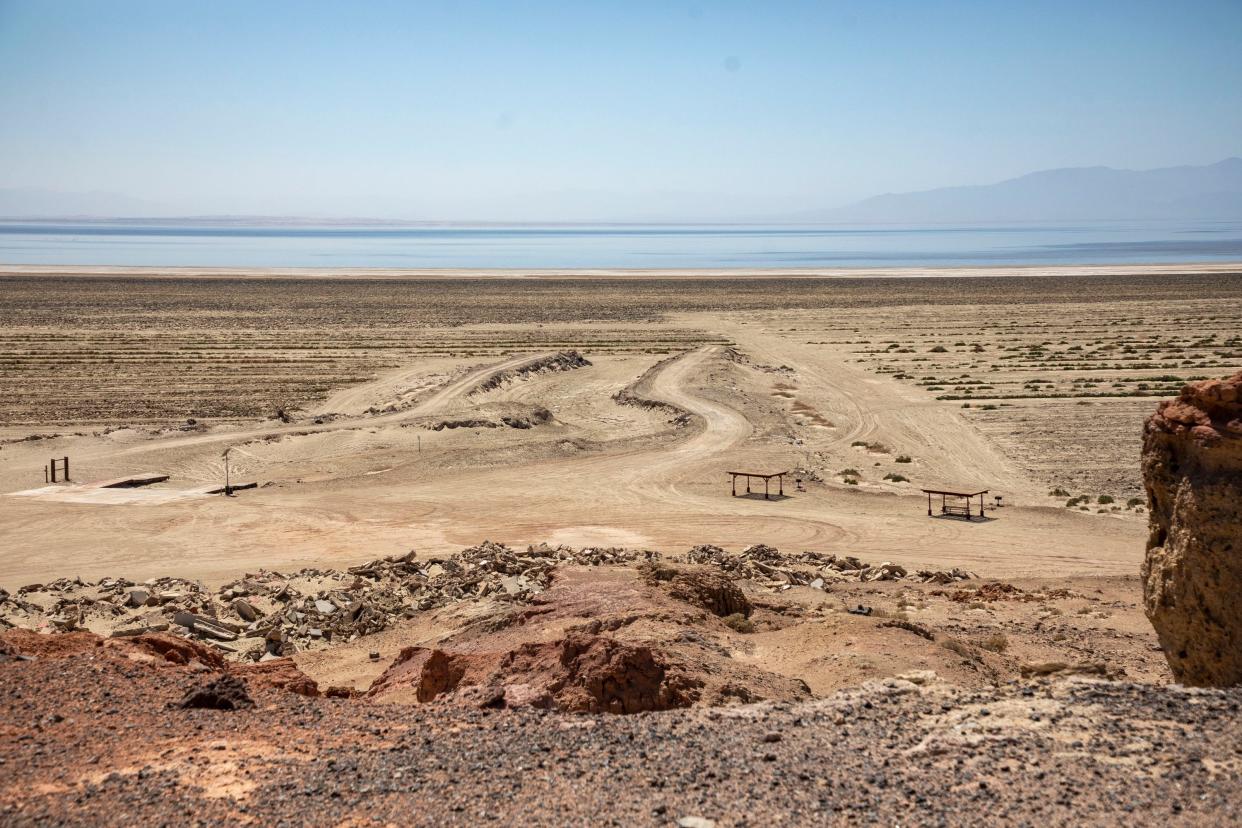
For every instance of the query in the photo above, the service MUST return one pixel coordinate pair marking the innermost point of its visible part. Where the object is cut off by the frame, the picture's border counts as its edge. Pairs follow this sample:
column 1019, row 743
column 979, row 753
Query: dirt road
column 354, row 487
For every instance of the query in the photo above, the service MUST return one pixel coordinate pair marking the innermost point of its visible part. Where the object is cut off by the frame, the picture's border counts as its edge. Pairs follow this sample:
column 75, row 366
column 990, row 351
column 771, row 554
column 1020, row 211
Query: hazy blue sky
column 595, row 110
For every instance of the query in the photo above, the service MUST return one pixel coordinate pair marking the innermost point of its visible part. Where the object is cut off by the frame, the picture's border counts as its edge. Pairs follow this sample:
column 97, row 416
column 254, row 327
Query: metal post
column 929, row 514
column 765, row 487
column 734, row 476
column 66, row 469
column 781, row 481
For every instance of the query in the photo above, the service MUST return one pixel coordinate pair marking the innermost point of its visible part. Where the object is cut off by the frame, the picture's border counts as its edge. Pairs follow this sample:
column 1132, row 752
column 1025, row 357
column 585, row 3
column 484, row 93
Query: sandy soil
column 777, row 374
column 381, row 413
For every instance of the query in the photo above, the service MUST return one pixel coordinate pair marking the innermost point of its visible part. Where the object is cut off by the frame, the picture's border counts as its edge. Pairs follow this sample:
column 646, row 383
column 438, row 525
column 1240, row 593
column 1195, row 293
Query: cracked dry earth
column 94, row 734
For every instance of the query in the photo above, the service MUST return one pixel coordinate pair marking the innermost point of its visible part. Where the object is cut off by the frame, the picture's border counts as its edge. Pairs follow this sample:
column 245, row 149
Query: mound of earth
column 581, row 673
column 597, row 640
column 1192, row 574
column 560, row 361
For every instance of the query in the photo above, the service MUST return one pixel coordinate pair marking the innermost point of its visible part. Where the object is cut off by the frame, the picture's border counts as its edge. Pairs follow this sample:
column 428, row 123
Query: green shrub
column 850, row 473
column 1104, row 499
column 896, row 478
column 1058, row 492
column 940, row 349
column 904, row 458
column 1134, row 501
column 739, row 623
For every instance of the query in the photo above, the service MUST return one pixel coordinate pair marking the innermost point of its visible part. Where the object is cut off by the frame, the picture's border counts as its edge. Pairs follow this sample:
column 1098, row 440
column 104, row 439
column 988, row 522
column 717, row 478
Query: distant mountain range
column 1070, row 194
column 1073, row 193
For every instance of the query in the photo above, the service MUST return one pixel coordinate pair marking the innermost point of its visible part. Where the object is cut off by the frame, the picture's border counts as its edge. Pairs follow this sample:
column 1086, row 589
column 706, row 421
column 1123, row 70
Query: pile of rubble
column 770, row 567
column 266, row 615
column 269, row 614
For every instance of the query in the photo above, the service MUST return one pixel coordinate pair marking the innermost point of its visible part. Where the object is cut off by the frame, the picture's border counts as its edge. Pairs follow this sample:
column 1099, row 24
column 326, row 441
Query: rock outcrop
column 1192, row 575
column 278, row 673
column 580, row 673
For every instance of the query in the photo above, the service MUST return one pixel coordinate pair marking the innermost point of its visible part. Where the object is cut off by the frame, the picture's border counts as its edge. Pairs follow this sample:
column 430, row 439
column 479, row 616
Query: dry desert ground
column 395, row 395
column 584, row 426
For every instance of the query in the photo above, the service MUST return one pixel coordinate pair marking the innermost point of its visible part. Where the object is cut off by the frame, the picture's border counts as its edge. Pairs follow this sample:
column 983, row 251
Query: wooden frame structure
column 963, row 509
column 766, row 478
column 60, row 464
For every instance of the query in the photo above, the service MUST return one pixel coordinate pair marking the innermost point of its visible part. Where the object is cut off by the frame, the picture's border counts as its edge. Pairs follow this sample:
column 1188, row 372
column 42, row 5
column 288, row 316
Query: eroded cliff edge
column 1192, row 573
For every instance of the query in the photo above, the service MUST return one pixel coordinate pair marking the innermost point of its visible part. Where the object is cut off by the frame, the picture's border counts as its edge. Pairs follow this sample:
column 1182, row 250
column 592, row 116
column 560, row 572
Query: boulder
column 174, row 649
column 1192, row 573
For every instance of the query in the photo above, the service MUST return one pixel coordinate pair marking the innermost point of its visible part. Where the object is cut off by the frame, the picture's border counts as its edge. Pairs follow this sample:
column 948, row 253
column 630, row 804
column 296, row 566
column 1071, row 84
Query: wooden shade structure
column 766, row 478
column 962, row 508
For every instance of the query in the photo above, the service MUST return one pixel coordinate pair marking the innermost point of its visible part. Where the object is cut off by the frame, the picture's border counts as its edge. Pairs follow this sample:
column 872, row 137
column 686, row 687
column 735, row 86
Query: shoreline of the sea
column 741, row 273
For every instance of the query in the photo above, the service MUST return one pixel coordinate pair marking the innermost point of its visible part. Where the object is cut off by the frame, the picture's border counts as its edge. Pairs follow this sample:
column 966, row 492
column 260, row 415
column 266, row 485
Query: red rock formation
column 1192, row 575
column 171, row 648
column 279, row 673
column 41, row 645
column 580, row 673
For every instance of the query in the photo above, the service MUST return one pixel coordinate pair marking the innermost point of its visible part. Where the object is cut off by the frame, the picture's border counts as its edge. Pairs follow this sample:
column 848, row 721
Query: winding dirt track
column 668, row 494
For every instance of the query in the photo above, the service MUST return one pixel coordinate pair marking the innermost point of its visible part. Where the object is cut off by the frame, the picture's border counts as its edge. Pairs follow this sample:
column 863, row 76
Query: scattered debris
column 772, row 568
column 267, row 615
column 1001, row 591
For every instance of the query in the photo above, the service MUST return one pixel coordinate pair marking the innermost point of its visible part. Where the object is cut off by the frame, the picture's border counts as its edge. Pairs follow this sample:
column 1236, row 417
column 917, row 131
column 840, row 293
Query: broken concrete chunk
column 204, row 626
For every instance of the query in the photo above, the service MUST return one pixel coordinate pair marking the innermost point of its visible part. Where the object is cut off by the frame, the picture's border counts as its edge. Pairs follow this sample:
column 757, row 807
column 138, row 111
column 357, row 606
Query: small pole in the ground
column 228, row 490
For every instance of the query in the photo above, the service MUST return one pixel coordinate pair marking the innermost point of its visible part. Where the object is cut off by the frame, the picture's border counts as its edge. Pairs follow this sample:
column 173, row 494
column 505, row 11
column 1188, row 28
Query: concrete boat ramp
column 132, row 489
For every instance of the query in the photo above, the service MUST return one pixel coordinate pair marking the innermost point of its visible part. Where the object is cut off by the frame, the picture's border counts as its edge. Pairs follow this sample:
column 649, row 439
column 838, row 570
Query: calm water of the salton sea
column 614, row 246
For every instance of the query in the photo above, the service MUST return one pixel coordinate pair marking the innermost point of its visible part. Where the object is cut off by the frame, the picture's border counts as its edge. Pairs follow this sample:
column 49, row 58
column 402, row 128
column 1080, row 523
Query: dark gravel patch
column 92, row 739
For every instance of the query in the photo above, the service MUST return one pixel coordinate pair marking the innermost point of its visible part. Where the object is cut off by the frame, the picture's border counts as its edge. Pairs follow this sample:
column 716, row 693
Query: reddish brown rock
column 50, row 645
column 580, row 673
column 279, row 673
column 171, row 648
column 1192, row 574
